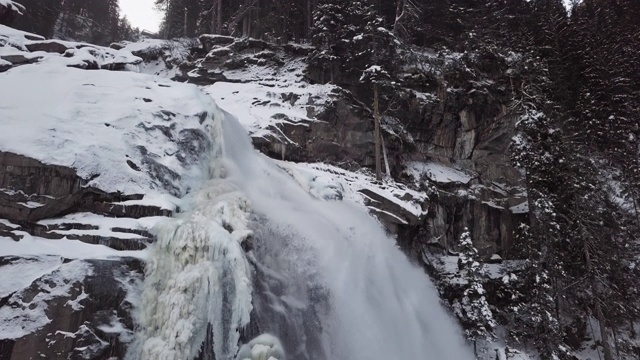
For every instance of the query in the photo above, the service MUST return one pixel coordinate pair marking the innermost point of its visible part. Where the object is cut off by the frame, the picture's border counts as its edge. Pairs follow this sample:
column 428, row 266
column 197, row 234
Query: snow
column 76, row 303
column 323, row 181
column 31, row 204
column 30, row 246
column 78, row 54
column 521, row 208
column 260, row 107
column 263, row 347
column 161, row 56
column 16, row 37
column 116, row 326
column 437, row 172
column 448, row 266
column 94, row 121
column 105, row 222
column 17, row 322
column 9, row 224
column 22, row 272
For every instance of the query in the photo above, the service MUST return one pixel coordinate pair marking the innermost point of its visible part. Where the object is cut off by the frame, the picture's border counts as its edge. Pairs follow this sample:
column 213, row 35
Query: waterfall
column 322, row 276
column 370, row 301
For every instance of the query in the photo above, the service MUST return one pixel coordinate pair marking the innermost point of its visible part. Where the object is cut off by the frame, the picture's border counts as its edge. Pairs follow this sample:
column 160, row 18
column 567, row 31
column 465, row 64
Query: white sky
column 141, row 14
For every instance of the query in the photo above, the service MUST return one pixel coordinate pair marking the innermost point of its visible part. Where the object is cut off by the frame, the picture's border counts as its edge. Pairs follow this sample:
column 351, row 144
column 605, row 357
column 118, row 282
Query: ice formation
column 263, row 347
column 197, row 274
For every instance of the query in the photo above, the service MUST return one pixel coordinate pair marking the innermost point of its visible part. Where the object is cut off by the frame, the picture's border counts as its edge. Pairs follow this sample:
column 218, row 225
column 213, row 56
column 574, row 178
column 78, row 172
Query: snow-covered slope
column 119, row 129
column 120, row 146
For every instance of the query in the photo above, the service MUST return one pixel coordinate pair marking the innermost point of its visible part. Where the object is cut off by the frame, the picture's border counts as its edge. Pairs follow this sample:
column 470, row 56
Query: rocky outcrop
column 25, row 48
column 342, row 134
column 31, row 190
column 50, row 46
column 83, row 305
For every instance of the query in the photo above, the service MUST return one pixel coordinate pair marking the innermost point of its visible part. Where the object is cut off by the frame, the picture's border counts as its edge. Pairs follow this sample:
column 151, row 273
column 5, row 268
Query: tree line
column 97, row 22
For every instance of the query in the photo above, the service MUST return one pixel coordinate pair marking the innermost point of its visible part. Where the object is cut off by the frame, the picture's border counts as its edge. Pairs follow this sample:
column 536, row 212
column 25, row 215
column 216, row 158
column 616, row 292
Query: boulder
column 20, row 59
column 50, row 46
column 5, row 65
column 210, row 40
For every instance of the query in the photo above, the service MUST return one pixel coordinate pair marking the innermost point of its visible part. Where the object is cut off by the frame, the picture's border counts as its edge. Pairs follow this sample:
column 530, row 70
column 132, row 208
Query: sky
column 141, row 14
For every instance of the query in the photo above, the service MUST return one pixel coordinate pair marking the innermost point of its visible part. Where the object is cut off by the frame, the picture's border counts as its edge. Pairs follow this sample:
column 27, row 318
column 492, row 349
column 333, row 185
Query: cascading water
column 370, row 301
column 323, row 276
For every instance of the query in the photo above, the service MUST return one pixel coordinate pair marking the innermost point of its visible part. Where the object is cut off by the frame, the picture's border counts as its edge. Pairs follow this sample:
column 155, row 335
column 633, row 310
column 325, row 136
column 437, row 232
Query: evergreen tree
column 472, row 309
column 39, row 17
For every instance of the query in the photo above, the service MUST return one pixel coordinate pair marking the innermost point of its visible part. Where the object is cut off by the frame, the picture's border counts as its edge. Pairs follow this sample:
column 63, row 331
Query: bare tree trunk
column 219, row 15
column 401, row 12
column 309, row 20
column 212, row 20
column 184, row 27
column 604, row 335
column 377, row 132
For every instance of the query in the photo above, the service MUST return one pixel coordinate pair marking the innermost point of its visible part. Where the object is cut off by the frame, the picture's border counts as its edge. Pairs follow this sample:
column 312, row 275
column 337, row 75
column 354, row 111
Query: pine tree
column 473, row 309
column 39, row 17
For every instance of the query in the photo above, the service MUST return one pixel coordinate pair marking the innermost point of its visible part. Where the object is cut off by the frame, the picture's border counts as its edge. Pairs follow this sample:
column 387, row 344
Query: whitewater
column 253, row 255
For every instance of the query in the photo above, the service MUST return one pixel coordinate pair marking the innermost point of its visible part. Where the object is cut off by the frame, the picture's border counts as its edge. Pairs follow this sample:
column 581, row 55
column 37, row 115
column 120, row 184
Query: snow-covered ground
column 325, row 181
column 260, row 108
column 98, row 122
column 262, row 97
column 437, row 173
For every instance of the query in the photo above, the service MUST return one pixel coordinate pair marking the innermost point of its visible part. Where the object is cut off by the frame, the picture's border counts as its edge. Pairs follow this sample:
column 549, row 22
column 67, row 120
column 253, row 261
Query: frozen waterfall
column 254, row 253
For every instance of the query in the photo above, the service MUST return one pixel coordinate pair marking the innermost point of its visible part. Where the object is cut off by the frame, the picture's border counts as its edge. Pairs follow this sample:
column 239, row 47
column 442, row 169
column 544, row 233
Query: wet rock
column 50, row 46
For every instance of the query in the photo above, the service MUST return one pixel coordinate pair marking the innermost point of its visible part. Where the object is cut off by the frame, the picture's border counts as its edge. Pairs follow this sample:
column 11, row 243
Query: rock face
column 84, row 307
column 458, row 122
column 31, row 191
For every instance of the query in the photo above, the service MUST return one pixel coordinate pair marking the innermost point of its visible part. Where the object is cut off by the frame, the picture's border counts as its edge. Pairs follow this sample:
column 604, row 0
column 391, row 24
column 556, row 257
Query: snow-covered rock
column 90, row 161
column 19, row 47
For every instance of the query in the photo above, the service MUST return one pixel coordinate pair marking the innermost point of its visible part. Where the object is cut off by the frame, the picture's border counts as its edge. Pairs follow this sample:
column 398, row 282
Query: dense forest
column 98, row 22
column 575, row 92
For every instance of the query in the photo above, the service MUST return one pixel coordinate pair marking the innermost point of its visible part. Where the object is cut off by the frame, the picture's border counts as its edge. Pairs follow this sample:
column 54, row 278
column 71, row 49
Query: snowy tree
column 9, row 10
column 350, row 37
column 328, row 29
column 472, row 309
